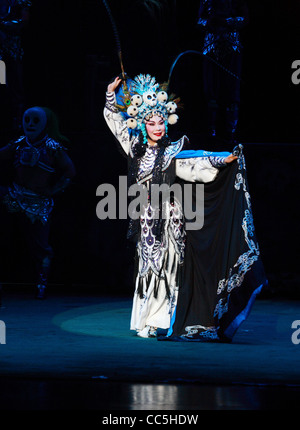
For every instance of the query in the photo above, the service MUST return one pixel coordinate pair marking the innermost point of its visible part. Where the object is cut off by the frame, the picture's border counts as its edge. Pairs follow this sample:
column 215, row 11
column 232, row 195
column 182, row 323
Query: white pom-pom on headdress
column 162, row 96
column 131, row 123
column 132, row 111
column 136, row 100
column 173, row 118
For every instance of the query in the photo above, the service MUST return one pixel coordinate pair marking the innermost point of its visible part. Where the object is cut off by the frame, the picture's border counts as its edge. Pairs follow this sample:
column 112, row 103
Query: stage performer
column 42, row 170
column 221, row 22
column 139, row 118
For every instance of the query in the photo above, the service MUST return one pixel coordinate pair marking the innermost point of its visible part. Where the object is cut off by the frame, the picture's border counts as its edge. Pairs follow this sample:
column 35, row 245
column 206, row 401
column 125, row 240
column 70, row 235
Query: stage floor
column 74, row 351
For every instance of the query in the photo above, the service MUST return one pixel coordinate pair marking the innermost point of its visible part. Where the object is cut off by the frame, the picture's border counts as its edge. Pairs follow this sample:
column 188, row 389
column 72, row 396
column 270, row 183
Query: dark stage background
column 70, row 55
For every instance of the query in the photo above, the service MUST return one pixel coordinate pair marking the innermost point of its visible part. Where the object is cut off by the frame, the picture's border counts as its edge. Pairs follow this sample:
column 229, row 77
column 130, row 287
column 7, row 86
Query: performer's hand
column 114, row 85
column 230, row 158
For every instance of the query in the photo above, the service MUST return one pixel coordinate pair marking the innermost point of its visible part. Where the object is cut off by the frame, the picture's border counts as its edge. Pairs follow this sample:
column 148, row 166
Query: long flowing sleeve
column 199, row 168
column 116, row 122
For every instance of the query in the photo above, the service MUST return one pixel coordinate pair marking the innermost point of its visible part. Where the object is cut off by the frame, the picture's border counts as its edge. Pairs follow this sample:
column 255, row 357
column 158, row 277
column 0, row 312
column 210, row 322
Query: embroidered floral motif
column 120, row 128
column 243, row 264
column 221, row 308
column 191, row 162
column 177, row 230
column 199, row 332
column 147, row 163
column 217, row 161
column 151, row 250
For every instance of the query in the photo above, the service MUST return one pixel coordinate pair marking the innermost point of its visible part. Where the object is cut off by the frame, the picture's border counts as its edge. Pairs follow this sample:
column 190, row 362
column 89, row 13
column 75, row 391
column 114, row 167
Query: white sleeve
column 116, row 122
column 196, row 169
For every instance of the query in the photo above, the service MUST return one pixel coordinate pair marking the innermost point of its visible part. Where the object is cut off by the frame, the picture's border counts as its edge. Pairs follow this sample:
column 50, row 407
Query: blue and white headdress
column 147, row 98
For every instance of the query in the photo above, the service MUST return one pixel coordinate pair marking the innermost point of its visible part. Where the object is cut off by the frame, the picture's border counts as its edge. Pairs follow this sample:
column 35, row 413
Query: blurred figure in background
column 221, row 22
column 14, row 16
column 42, row 170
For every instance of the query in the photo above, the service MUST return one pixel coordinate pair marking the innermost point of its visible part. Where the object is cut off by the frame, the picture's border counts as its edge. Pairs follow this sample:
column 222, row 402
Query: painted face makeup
column 155, row 128
column 34, row 123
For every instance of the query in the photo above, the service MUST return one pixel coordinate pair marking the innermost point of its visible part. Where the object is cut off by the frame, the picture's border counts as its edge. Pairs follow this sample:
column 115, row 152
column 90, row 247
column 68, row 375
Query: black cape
column 222, row 271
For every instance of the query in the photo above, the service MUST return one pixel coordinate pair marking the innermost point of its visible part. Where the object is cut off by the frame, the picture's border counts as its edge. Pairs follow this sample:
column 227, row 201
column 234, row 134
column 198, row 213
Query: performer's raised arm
column 114, row 119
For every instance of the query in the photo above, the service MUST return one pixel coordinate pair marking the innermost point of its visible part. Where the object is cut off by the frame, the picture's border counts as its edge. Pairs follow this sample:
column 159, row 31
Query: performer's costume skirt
column 222, row 271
